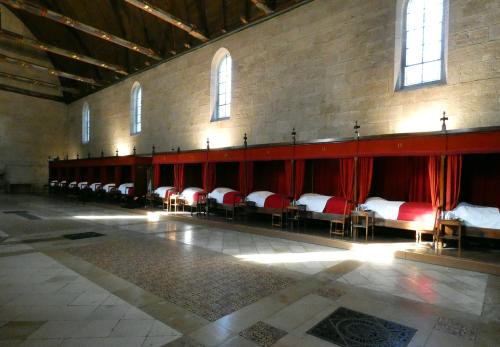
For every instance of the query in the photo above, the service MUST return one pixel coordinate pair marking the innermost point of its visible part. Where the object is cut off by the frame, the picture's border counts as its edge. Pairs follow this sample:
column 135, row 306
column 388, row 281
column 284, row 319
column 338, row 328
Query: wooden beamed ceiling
column 125, row 24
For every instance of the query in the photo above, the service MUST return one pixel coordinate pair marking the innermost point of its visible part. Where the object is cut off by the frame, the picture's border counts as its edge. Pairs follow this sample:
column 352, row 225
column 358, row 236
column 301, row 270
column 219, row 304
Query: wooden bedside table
column 450, row 229
column 364, row 220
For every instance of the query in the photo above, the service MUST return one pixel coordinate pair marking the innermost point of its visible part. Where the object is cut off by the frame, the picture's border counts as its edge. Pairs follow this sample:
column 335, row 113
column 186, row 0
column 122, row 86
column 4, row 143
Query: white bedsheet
column 383, row 208
column 476, row 216
column 124, row 187
column 188, row 194
column 62, row 183
column 259, row 197
column 54, row 183
column 95, row 186
column 72, row 184
column 162, row 191
column 314, row 202
column 82, row 185
column 108, row 187
column 218, row 194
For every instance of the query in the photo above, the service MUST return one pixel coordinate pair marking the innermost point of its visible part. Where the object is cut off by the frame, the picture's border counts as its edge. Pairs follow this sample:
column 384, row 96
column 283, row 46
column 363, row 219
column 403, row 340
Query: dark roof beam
column 169, row 18
column 261, row 5
column 8, row 35
column 30, row 93
column 36, row 67
column 36, row 82
column 72, row 23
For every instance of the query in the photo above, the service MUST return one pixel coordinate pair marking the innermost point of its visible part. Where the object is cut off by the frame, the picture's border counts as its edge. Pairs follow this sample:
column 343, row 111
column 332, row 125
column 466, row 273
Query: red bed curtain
column 346, row 178
column 479, row 183
column 179, row 177
column 118, row 175
column 156, row 176
column 453, row 178
column 419, row 180
column 208, row 176
column 246, row 171
column 434, row 169
column 288, row 178
column 365, row 173
column 300, row 168
column 326, row 177
column 103, row 176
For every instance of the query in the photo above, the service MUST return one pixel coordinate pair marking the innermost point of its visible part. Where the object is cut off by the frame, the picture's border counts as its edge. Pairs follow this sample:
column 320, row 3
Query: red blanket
column 335, row 205
column 415, row 211
column 276, row 201
column 232, row 198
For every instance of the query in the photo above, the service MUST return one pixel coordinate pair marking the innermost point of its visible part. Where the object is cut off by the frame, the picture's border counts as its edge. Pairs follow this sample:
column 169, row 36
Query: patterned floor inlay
column 330, row 292
column 80, row 236
column 349, row 328
column 263, row 334
column 206, row 283
column 455, row 328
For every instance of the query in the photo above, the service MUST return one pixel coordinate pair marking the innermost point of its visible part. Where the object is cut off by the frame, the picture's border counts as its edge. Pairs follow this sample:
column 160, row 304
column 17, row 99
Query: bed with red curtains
column 403, row 191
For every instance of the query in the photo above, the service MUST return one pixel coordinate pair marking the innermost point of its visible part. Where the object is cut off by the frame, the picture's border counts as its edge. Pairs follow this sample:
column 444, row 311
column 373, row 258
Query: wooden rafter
column 261, row 5
column 37, row 67
column 30, row 93
column 72, row 23
column 8, row 35
column 167, row 17
column 36, row 82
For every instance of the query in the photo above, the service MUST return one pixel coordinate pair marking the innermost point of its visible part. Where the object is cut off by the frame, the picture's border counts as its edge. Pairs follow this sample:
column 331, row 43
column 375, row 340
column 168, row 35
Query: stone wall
column 317, row 68
column 31, row 129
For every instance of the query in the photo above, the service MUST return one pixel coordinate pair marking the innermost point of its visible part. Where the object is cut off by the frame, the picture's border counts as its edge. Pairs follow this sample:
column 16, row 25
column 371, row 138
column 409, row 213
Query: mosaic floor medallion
column 82, row 235
column 349, row 328
column 263, row 334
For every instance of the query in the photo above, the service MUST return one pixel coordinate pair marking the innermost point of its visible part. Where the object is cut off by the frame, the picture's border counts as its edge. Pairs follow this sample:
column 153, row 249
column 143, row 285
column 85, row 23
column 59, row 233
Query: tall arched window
column 85, row 123
column 424, row 36
column 221, row 85
column 136, row 109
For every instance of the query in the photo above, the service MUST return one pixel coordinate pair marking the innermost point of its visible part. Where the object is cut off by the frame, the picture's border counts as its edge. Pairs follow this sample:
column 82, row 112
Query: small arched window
column 424, row 37
column 221, row 85
column 85, row 123
column 136, row 109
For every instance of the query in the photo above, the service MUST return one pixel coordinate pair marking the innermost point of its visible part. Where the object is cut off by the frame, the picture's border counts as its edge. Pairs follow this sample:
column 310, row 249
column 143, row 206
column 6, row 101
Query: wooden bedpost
column 245, row 144
column 292, row 183
column 355, row 197
column 442, row 182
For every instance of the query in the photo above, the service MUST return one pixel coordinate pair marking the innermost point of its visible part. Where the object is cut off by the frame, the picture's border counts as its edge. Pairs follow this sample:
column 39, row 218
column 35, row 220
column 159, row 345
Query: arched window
column 85, row 123
column 136, row 109
column 424, row 43
column 221, row 85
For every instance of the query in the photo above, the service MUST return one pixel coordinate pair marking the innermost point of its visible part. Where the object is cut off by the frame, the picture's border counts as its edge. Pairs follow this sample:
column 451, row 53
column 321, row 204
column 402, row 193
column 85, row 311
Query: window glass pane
column 413, row 75
column 413, row 56
column 224, row 88
column 414, row 38
column 432, row 51
column 432, row 71
column 423, row 41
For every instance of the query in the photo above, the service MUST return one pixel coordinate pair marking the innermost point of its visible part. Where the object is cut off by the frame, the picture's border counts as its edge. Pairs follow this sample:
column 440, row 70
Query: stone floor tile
column 95, row 328
column 86, row 299
column 42, row 343
column 239, row 341
column 440, row 339
column 107, row 342
column 212, row 334
column 160, row 329
column 132, row 328
column 19, row 329
column 108, row 312
column 56, row 329
column 159, row 341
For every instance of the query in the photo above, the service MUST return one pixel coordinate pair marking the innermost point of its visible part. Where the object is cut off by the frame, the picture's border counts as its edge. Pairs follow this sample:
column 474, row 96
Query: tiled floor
column 176, row 283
